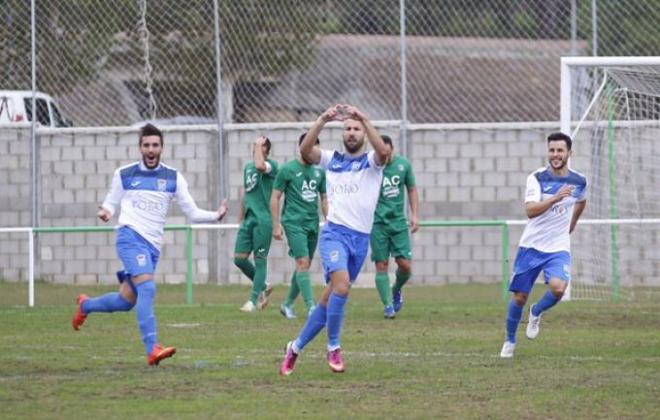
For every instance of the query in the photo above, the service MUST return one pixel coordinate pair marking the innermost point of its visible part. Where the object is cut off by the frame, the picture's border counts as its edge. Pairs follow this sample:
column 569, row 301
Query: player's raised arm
column 380, row 148
column 307, row 150
column 259, row 154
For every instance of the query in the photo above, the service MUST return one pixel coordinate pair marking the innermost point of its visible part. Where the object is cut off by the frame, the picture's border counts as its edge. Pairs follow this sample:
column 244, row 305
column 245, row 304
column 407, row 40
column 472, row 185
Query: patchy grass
column 439, row 358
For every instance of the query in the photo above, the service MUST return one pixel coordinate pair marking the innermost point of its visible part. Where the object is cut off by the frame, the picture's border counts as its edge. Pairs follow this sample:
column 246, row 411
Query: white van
column 16, row 107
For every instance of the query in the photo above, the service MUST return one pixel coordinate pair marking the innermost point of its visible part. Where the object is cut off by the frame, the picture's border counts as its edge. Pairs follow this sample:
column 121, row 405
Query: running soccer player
column 143, row 191
column 255, row 233
column 302, row 184
column 554, row 200
column 389, row 235
column 353, row 184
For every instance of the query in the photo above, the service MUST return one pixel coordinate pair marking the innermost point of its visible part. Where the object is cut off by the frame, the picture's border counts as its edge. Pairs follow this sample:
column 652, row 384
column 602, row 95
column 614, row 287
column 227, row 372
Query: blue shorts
column 343, row 249
column 137, row 254
column 530, row 262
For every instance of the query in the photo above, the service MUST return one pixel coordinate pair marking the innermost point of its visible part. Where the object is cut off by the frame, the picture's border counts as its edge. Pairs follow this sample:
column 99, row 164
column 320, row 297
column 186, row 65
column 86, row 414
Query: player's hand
column 223, row 209
column 414, row 224
column 330, row 114
column 277, row 232
column 103, row 214
column 565, row 191
column 353, row 113
column 260, row 141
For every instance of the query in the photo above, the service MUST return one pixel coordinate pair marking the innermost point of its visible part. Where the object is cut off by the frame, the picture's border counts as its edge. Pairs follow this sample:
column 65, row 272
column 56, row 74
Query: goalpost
column 611, row 108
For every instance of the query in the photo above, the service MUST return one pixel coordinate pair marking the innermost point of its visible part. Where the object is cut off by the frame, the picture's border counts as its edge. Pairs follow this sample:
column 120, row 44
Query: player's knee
column 303, row 264
column 239, row 261
column 404, row 265
column 558, row 292
column 381, row 266
column 520, row 298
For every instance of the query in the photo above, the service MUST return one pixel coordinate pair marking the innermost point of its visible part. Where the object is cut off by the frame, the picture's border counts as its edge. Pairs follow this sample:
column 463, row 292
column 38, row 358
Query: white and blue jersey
column 549, row 231
column 353, row 188
column 144, row 196
column 545, row 244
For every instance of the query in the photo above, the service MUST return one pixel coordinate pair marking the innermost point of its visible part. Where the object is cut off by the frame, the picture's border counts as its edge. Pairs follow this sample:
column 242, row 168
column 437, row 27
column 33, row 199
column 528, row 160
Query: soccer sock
column 383, row 286
column 294, row 291
column 336, row 305
column 246, row 267
column 313, row 326
column 305, row 285
column 547, row 301
column 145, row 314
column 401, row 279
column 513, row 319
column 110, row 302
column 259, row 282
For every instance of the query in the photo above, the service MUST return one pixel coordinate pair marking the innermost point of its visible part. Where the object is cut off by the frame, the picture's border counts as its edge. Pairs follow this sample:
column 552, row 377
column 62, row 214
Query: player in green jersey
column 389, row 235
column 255, row 233
column 301, row 183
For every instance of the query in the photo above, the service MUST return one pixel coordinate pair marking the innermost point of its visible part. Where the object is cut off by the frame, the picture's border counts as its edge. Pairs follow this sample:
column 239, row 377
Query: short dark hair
column 561, row 137
column 387, row 140
column 150, row 130
column 302, row 137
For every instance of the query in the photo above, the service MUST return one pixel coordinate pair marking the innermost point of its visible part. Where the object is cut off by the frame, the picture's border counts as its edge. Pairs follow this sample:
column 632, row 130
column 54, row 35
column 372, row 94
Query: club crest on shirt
column 356, row 166
column 400, row 167
column 162, row 184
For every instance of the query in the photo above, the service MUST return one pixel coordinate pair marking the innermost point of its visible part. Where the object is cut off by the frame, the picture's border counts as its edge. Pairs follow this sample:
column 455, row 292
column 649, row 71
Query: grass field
column 439, row 358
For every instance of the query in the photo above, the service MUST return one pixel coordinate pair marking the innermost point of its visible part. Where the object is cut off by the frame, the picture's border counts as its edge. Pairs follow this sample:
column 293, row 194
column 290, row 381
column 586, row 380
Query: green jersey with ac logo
column 301, row 185
column 258, row 188
column 397, row 177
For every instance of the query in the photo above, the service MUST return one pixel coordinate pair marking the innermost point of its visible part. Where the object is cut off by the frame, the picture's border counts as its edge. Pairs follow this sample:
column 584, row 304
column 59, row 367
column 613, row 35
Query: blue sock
column 547, row 301
column 314, row 325
column 336, row 305
column 110, row 302
column 145, row 314
column 512, row 320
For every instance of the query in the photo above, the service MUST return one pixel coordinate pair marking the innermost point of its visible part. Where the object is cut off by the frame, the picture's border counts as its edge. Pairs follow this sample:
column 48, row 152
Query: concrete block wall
column 463, row 172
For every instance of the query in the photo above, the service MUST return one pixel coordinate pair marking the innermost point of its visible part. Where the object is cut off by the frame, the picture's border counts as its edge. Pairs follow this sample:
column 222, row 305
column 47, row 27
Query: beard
column 561, row 165
column 156, row 162
column 353, row 148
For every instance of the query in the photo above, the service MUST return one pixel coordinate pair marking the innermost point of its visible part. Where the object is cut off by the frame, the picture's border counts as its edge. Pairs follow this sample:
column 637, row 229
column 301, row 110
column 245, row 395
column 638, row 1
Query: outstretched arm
column 577, row 212
column 112, row 200
column 380, row 148
column 189, row 207
column 307, row 150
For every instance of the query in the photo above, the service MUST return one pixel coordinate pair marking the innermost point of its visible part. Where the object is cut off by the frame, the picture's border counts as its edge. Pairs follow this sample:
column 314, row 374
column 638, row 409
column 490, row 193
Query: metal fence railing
column 211, row 61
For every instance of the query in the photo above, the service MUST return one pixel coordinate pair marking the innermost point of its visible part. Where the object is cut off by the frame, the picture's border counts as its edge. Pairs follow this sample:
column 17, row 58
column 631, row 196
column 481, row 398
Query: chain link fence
column 423, row 61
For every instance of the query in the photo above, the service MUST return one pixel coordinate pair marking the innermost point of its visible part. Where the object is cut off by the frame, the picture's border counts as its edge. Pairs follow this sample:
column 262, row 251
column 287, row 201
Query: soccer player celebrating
column 302, row 184
column 255, row 234
column 143, row 191
column 353, row 184
column 389, row 235
column 554, row 200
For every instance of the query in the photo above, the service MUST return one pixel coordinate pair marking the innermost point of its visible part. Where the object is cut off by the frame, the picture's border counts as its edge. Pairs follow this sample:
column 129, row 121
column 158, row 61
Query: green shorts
column 390, row 240
column 302, row 240
column 254, row 236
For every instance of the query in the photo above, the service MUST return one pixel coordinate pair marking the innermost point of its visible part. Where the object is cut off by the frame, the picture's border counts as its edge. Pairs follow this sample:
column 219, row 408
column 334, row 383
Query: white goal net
column 615, row 107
